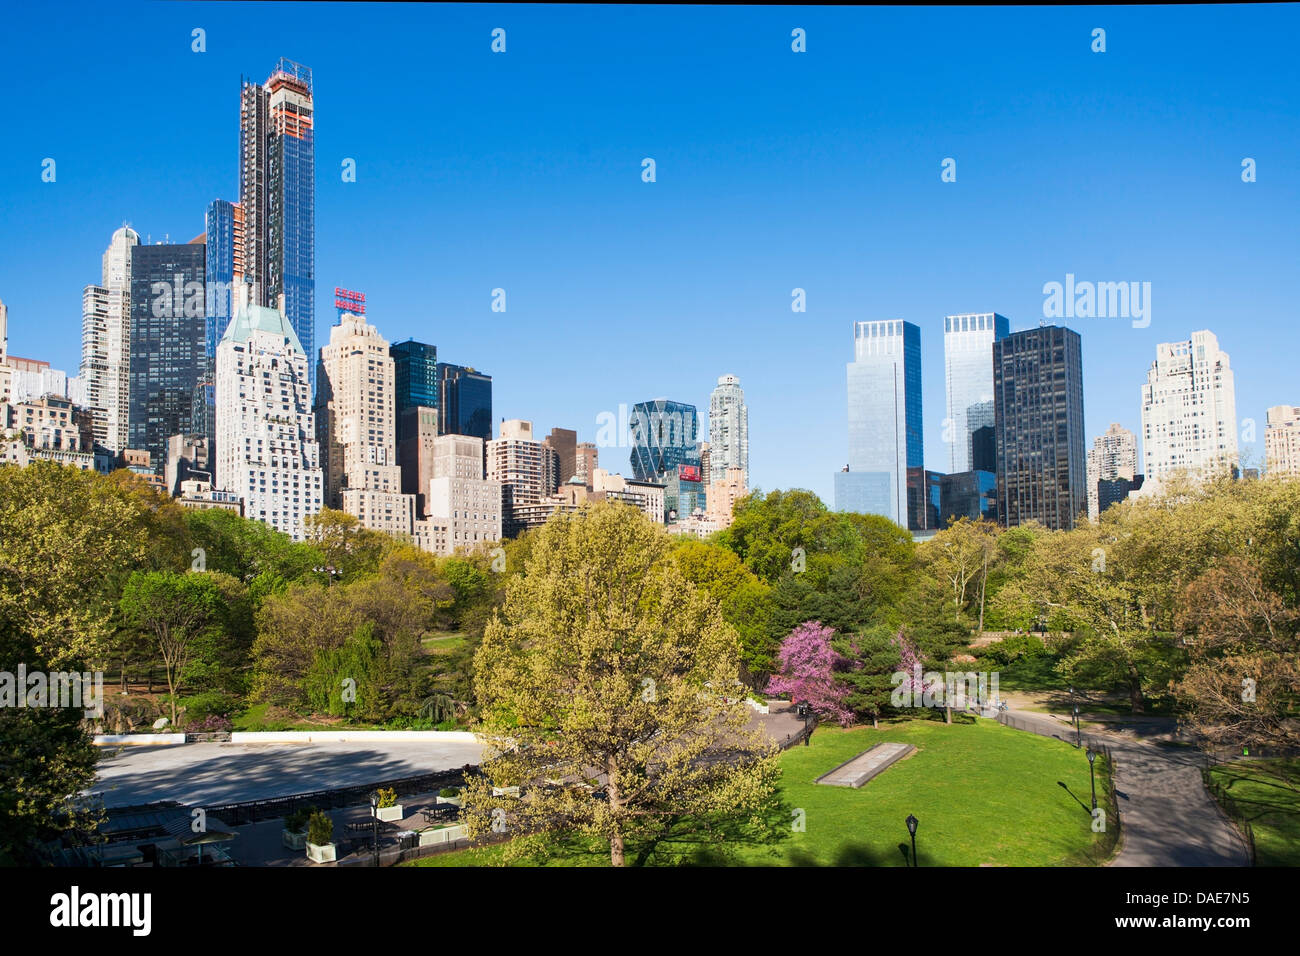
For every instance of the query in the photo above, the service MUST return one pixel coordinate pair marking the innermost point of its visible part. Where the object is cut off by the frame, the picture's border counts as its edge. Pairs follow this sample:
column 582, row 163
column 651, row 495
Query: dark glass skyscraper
column 464, row 402
column 1038, row 426
column 168, row 355
column 277, row 191
column 415, row 376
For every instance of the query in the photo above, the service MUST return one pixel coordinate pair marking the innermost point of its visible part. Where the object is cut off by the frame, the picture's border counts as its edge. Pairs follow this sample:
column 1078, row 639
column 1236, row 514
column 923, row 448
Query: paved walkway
column 1167, row 817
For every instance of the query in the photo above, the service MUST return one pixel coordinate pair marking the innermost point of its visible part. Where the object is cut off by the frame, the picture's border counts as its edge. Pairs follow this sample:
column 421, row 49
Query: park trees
column 806, row 670
column 173, row 610
column 1242, row 687
column 608, row 687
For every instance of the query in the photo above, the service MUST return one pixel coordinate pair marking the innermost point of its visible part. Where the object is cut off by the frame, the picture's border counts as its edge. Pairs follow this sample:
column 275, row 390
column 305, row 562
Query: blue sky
column 775, row 170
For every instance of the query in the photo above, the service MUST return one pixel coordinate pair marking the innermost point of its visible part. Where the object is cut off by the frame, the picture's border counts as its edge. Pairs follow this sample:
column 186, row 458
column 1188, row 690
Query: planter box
column 442, row 835
column 320, row 854
column 293, row 841
column 505, row 791
column 389, row 814
column 454, row 801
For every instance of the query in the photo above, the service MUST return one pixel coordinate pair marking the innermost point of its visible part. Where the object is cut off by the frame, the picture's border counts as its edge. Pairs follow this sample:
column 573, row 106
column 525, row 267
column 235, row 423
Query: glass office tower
column 415, row 375
column 665, row 450
column 168, row 349
column 1038, row 394
column 968, row 367
column 885, row 425
column 464, row 402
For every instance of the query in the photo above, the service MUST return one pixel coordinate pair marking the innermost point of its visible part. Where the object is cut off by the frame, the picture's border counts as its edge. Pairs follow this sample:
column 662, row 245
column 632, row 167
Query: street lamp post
column 1078, row 742
column 374, row 822
column 911, row 829
column 326, row 569
column 1092, row 759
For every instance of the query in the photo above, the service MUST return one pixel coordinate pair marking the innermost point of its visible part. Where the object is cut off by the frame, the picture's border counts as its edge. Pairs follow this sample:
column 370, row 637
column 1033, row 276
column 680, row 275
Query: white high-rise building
column 1113, row 455
column 968, row 371
column 728, row 428
column 464, row 508
column 1189, row 411
column 527, row 469
column 356, row 425
column 1282, row 441
column 106, row 342
column 266, row 434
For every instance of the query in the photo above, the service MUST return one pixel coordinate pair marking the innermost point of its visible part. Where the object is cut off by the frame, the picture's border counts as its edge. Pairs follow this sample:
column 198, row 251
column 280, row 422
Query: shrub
column 387, row 797
column 1013, row 648
column 320, row 828
column 449, row 792
column 296, row 822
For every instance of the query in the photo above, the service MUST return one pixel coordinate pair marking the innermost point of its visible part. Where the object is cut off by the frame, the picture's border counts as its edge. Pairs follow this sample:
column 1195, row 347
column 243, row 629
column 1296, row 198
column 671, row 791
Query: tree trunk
column 947, row 713
column 617, row 851
column 1135, row 691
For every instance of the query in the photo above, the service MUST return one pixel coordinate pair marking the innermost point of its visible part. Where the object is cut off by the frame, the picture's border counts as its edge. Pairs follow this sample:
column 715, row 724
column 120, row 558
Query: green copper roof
column 262, row 319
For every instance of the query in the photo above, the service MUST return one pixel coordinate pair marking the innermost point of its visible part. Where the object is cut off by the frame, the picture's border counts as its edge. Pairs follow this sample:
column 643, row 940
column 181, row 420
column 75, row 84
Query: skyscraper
column 168, row 358
column 106, row 342
column 1112, row 457
column 356, row 427
column 728, row 428
column 1038, row 401
column 968, row 368
column 885, row 425
column 1282, row 441
column 665, row 450
column 277, row 192
column 1189, row 410
column 565, row 443
column 464, row 402
column 415, row 371
column 266, row 434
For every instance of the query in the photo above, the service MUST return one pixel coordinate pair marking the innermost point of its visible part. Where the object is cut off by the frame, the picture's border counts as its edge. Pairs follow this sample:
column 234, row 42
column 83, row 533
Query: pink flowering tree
column 806, row 666
column 910, row 665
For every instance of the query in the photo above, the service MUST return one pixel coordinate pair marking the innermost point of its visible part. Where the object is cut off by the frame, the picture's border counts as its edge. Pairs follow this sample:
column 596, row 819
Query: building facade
column 1189, row 411
column 168, row 358
column 464, row 507
column 106, row 342
column 267, row 451
column 1038, row 396
column 356, row 426
column 968, row 373
column 968, row 494
column 1282, row 441
column 885, row 423
column 728, row 428
column 527, row 471
column 1113, row 456
column 277, row 186
column 464, row 402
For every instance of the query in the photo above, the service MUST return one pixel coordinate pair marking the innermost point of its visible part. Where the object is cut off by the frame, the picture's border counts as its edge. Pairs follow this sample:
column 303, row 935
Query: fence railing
column 252, row 811
column 1223, row 796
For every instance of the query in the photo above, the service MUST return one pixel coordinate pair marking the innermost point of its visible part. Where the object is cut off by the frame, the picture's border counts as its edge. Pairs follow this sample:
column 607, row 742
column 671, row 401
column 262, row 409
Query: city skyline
column 481, row 193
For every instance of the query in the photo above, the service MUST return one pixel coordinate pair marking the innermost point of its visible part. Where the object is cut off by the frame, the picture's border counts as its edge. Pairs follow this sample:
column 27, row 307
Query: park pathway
column 1168, row 818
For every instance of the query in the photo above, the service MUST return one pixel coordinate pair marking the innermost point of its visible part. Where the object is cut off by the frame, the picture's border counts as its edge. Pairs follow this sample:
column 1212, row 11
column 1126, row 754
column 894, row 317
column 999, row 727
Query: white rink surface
column 216, row 773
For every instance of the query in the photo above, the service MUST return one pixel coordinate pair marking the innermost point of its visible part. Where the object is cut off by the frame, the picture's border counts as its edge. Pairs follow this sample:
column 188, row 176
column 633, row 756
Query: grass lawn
column 1270, row 805
column 983, row 793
